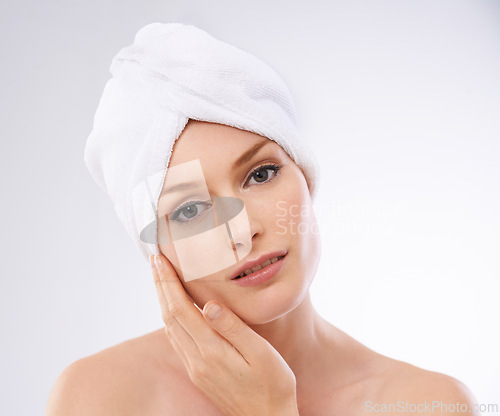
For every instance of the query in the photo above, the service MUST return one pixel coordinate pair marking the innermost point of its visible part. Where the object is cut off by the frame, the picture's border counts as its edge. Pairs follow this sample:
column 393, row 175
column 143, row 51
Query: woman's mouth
column 259, row 267
column 261, row 273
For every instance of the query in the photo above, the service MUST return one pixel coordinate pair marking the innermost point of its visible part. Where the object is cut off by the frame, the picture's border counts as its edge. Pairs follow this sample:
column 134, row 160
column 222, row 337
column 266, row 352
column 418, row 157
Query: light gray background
column 399, row 99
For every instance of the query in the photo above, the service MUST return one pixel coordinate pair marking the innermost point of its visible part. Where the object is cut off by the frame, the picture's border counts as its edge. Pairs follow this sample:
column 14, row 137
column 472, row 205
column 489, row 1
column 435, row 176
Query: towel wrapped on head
column 172, row 73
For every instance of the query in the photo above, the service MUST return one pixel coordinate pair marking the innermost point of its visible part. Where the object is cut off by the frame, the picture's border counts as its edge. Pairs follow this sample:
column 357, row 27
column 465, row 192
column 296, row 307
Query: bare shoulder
column 384, row 385
column 118, row 380
column 419, row 390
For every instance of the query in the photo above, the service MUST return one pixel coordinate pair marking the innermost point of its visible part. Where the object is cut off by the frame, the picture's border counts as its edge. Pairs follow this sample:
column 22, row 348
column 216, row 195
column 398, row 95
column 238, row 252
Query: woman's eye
column 261, row 174
column 189, row 212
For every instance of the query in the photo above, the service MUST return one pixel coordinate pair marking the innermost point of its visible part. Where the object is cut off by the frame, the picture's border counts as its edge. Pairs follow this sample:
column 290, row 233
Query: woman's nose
column 241, row 221
column 246, row 231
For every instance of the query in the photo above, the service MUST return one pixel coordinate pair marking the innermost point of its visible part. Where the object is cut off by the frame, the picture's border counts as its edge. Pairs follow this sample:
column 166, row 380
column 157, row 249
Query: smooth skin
column 269, row 352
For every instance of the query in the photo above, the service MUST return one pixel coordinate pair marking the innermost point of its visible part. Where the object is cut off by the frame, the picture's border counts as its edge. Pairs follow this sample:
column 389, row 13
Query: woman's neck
column 299, row 336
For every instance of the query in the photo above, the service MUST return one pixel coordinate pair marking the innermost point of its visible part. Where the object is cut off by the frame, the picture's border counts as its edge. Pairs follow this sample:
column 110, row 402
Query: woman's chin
column 266, row 308
column 254, row 307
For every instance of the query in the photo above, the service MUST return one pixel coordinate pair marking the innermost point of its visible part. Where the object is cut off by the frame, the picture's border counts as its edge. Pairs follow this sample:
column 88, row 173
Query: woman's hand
column 235, row 367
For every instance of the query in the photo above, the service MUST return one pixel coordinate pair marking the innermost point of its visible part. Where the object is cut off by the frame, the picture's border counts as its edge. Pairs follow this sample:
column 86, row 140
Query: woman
column 196, row 143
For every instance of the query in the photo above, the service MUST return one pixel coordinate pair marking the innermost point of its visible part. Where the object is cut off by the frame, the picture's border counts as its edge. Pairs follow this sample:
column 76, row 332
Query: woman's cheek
column 292, row 217
column 201, row 292
column 168, row 250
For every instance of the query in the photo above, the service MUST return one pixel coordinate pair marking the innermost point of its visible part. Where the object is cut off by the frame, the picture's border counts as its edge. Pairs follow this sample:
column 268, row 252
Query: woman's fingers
column 180, row 352
column 249, row 344
column 182, row 342
column 181, row 314
column 179, row 308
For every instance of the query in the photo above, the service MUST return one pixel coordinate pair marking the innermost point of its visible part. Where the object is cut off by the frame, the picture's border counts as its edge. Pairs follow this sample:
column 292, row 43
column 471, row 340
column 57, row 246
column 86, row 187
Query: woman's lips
column 256, row 262
column 263, row 275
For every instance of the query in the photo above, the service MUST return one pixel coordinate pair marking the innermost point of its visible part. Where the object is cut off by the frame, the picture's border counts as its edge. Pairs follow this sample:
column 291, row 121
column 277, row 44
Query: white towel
column 170, row 74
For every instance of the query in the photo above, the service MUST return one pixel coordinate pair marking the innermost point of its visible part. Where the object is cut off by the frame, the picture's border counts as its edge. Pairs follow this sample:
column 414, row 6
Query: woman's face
column 275, row 195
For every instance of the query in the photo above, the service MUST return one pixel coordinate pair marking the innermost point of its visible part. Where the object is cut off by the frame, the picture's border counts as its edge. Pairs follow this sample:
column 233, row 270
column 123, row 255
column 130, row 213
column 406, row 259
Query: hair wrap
column 170, row 74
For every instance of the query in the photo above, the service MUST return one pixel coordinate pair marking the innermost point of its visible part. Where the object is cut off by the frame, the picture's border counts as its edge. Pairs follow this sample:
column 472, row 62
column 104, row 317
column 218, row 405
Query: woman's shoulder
column 417, row 390
column 385, row 385
column 117, row 380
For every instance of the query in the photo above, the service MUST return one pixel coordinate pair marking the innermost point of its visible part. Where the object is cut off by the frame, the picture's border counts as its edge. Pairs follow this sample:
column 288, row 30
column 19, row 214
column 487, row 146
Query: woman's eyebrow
column 184, row 186
column 245, row 157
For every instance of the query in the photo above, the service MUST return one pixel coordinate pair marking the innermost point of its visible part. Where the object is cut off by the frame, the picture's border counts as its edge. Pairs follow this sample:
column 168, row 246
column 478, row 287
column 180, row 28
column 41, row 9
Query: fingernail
column 158, row 262
column 152, row 261
column 213, row 311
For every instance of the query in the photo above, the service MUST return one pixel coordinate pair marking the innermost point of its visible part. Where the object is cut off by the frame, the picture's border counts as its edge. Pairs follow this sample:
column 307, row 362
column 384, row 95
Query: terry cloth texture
column 172, row 73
